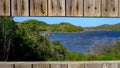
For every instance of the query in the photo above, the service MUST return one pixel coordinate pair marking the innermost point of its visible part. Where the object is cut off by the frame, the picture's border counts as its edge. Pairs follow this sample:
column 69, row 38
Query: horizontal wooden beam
column 82, row 64
column 79, row 8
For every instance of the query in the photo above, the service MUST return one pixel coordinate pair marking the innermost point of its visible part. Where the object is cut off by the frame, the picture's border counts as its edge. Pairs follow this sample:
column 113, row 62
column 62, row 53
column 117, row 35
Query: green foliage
column 36, row 48
column 42, row 26
column 103, row 57
column 92, row 57
column 7, row 34
column 22, row 42
column 65, row 27
column 58, row 51
column 72, row 56
column 105, row 27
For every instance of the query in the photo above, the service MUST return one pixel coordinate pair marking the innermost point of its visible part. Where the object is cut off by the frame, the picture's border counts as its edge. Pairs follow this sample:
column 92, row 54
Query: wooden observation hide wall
column 93, row 64
column 79, row 8
column 64, row 8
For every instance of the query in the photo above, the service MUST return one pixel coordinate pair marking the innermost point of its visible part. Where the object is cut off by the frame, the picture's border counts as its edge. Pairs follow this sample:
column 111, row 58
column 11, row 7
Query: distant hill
column 105, row 27
column 43, row 26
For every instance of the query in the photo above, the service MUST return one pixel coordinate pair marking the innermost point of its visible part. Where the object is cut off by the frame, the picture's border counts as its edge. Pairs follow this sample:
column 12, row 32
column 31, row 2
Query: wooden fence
column 79, row 8
column 93, row 64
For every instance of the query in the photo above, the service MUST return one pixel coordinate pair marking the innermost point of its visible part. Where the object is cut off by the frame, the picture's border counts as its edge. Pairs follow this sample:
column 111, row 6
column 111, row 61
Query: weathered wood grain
column 119, row 9
column 81, row 64
column 92, row 8
column 76, row 65
column 38, row 7
column 110, row 65
column 23, row 65
column 74, row 7
column 93, row 65
column 58, row 65
column 20, row 8
column 41, row 65
column 118, row 65
column 4, row 7
column 56, row 8
column 6, row 65
column 110, row 8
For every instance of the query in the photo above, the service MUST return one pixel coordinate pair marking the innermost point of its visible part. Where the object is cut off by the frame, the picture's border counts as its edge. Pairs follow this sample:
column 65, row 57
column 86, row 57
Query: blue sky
column 78, row 21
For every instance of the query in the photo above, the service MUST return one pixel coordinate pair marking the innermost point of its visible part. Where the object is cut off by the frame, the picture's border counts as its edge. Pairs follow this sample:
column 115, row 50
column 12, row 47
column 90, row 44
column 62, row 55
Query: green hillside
column 105, row 27
column 43, row 26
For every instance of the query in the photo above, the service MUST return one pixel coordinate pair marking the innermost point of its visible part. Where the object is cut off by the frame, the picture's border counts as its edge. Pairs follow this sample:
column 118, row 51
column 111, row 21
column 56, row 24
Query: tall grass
column 105, row 50
column 105, row 47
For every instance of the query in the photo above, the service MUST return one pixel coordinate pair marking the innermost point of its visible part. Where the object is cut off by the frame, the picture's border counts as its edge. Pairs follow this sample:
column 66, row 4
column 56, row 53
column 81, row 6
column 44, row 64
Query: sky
column 78, row 21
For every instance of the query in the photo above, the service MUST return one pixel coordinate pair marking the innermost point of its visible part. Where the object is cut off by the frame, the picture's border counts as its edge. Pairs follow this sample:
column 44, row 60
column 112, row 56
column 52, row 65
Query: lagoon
column 81, row 42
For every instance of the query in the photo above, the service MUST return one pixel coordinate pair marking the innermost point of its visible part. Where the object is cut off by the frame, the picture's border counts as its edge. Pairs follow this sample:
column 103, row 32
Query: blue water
column 81, row 42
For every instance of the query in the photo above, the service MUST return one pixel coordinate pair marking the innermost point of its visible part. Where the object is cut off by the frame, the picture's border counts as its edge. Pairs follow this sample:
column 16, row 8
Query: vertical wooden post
column 6, row 65
column 110, row 8
column 110, row 65
column 92, row 8
column 74, row 7
column 38, row 7
column 20, row 8
column 58, row 66
column 4, row 7
column 56, row 8
column 21, row 65
column 76, row 65
column 119, row 8
column 41, row 65
column 93, row 65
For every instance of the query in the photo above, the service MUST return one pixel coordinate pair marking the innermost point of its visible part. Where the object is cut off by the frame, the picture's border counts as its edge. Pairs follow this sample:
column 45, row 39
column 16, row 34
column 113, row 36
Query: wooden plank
column 110, row 8
column 4, row 7
column 82, row 64
column 6, row 65
column 42, row 65
column 93, row 65
column 56, row 8
column 92, row 7
column 118, row 65
column 20, row 8
column 58, row 66
column 110, row 65
column 76, row 65
column 74, row 7
column 21, row 65
column 104, row 8
column 38, row 7
column 119, row 9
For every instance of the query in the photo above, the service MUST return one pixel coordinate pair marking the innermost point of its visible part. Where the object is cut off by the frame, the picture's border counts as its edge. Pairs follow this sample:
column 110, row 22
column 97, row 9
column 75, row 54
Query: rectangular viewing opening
column 59, row 39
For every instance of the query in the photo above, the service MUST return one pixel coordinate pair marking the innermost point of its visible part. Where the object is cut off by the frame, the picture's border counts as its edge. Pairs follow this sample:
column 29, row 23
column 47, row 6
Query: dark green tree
column 7, row 33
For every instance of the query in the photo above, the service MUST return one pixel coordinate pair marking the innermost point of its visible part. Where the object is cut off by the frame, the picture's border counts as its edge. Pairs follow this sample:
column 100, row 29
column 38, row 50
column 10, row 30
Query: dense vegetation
column 22, row 42
column 42, row 26
column 105, row 27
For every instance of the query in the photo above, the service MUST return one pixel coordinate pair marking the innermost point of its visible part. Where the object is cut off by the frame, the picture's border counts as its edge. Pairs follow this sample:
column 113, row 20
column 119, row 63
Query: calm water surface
column 81, row 42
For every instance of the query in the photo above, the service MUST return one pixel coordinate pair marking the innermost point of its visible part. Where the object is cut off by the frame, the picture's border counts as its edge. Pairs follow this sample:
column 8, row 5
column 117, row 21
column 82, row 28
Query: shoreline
column 85, row 31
